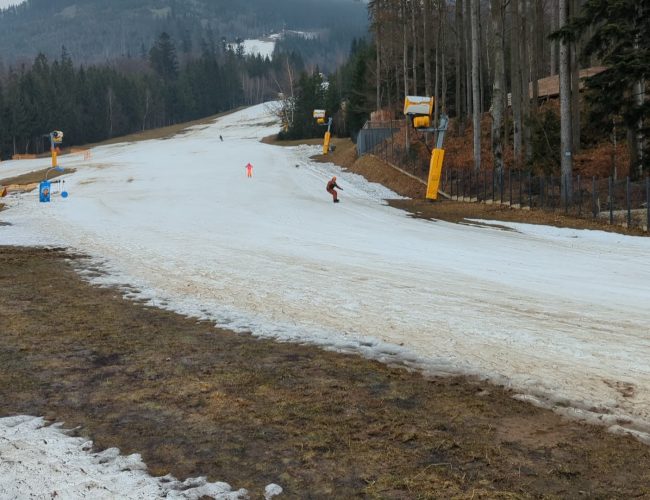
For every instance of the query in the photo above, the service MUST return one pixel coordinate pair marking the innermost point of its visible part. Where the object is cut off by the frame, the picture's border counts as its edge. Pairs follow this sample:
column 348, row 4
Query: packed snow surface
column 39, row 461
column 265, row 47
column 561, row 315
column 255, row 47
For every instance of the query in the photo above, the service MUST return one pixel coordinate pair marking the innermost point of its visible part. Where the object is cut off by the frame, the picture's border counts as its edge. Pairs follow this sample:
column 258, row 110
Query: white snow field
column 10, row 3
column 560, row 315
column 40, row 461
column 253, row 47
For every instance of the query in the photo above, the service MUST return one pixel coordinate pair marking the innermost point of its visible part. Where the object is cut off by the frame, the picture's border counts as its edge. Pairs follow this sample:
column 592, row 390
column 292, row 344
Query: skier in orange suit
column 249, row 170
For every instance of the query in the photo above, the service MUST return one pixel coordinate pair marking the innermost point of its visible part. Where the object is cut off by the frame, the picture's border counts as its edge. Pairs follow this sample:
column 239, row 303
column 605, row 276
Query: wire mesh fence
column 618, row 201
column 623, row 202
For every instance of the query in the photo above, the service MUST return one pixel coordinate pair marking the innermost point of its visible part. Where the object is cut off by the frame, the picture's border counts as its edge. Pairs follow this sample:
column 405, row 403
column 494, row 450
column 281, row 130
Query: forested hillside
column 530, row 85
column 101, row 101
column 97, row 30
column 97, row 69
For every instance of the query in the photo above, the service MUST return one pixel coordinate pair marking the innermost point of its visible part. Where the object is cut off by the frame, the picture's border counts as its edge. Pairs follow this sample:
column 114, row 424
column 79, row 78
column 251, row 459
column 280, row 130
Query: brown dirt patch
column 375, row 170
column 194, row 399
column 32, row 177
column 162, row 132
column 273, row 140
column 456, row 211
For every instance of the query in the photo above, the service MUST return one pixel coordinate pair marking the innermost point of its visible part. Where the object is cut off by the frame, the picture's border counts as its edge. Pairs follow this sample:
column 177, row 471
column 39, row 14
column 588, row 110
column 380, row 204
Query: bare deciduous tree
column 565, row 108
column 498, row 87
column 476, row 95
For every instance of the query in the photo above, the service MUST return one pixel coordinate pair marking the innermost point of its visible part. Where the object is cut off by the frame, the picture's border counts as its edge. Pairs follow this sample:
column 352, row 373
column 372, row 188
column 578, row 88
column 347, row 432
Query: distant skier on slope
column 249, row 170
column 330, row 189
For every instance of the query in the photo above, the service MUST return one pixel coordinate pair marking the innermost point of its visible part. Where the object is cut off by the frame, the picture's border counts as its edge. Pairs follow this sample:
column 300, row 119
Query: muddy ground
column 34, row 177
column 197, row 400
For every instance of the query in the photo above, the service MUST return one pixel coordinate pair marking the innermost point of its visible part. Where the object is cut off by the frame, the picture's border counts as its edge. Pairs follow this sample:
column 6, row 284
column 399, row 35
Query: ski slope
column 560, row 315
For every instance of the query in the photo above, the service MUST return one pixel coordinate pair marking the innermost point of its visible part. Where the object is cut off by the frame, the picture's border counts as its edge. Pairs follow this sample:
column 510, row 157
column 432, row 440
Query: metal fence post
column 510, row 183
column 580, row 196
column 530, row 190
column 647, row 203
column 469, row 188
column 501, row 178
column 593, row 196
column 484, row 185
column 552, row 198
column 451, row 184
column 461, row 185
column 628, row 201
column 611, row 204
column 493, row 185
column 520, row 199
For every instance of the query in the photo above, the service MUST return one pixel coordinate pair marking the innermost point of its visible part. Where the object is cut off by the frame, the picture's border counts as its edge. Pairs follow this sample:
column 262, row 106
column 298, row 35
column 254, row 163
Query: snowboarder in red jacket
column 330, row 189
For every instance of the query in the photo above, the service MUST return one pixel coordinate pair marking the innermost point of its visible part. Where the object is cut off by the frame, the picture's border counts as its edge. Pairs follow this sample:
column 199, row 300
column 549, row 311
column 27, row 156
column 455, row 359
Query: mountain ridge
column 95, row 31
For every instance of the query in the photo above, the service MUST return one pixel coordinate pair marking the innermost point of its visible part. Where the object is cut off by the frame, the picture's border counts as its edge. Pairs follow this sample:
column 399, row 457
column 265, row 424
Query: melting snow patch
column 271, row 491
column 41, row 461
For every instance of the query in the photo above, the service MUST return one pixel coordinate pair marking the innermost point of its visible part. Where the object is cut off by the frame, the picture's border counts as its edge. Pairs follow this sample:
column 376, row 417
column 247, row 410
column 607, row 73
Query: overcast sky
column 7, row 3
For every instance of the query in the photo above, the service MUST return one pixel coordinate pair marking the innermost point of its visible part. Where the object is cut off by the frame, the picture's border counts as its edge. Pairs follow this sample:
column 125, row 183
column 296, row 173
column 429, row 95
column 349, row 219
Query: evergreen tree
column 94, row 103
column 619, row 34
column 310, row 95
column 359, row 91
column 162, row 57
column 3, row 124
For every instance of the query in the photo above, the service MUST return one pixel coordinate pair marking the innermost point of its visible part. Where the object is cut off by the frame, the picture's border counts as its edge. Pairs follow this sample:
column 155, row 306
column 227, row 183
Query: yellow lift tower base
column 435, row 169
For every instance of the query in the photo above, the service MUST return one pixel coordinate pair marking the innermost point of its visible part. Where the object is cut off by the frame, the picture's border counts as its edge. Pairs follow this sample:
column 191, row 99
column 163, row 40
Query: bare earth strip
column 197, row 400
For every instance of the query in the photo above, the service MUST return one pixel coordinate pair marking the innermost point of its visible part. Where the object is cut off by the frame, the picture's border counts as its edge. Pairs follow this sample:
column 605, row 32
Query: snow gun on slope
column 45, row 187
column 419, row 110
column 320, row 116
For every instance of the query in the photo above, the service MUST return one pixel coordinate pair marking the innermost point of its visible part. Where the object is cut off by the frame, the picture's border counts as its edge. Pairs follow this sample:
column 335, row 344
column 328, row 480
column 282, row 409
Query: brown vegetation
column 194, row 399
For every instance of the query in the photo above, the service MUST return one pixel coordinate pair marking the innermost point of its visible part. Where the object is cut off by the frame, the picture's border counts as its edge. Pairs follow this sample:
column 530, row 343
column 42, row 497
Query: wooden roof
column 549, row 87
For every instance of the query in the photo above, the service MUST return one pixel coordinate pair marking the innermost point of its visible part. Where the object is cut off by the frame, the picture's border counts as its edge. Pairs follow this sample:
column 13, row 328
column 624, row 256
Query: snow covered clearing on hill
column 10, row 3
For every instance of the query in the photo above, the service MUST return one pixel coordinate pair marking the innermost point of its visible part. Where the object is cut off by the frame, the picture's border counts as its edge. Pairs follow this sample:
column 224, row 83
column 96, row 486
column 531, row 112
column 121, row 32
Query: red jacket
column 332, row 184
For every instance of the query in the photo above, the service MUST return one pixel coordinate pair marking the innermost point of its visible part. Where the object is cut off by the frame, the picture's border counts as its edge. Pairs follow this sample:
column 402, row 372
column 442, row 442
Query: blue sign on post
column 44, row 191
